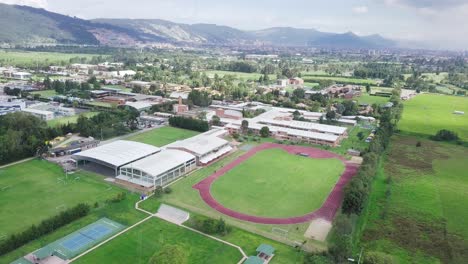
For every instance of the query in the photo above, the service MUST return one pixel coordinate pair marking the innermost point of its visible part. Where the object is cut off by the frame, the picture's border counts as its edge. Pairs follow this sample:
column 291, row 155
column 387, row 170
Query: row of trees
column 45, row 227
column 356, row 195
column 108, row 124
column 210, row 226
column 189, row 123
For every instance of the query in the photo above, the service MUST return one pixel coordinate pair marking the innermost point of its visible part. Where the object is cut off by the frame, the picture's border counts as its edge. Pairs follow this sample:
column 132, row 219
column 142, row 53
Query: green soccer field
column 140, row 243
column 163, row 136
column 34, row 190
column 428, row 113
column 254, row 186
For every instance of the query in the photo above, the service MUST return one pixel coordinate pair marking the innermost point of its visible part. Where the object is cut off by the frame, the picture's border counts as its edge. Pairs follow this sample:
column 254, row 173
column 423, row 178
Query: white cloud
column 360, row 9
column 34, row 3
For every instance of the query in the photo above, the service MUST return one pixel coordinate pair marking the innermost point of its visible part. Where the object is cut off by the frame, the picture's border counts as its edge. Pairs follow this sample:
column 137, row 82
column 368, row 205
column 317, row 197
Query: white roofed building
column 158, row 169
column 207, row 147
column 116, row 154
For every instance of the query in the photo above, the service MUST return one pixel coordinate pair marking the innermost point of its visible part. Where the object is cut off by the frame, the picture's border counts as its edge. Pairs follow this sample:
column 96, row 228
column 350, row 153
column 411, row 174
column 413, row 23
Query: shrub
column 418, row 144
column 374, row 257
column 445, row 135
column 119, row 197
column 158, row 192
column 167, row 190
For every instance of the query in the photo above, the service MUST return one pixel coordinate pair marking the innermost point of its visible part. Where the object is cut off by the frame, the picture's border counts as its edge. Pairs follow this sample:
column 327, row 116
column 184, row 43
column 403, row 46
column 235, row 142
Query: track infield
column 328, row 209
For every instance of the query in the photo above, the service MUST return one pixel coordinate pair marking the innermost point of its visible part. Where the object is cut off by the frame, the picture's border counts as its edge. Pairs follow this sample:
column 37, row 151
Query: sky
column 441, row 24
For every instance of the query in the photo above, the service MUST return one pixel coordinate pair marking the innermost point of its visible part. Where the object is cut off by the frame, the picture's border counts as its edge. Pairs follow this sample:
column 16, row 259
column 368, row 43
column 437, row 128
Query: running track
column 328, row 209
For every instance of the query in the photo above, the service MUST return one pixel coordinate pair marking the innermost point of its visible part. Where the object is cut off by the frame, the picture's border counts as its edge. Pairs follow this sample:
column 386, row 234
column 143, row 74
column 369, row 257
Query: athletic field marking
column 326, row 211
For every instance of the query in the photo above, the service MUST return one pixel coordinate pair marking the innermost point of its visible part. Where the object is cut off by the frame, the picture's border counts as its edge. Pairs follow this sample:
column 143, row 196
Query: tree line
column 189, row 123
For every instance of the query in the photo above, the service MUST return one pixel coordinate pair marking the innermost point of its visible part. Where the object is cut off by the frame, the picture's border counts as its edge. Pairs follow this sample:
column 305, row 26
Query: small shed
column 254, row 260
column 265, row 251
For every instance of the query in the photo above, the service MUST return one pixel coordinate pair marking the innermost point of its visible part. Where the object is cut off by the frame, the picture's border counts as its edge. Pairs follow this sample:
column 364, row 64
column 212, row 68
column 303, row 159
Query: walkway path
column 328, row 209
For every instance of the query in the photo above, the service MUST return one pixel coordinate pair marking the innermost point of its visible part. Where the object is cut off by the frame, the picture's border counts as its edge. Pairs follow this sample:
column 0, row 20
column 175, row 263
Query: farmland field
column 140, row 243
column 163, row 136
column 428, row 113
column 69, row 119
column 37, row 189
column 420, row 216
column 239, row 75
column 253, row 186
column 344, row 80
column 26, row 58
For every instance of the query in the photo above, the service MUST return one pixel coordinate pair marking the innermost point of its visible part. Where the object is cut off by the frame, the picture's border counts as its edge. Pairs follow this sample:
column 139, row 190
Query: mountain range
column 28, row 25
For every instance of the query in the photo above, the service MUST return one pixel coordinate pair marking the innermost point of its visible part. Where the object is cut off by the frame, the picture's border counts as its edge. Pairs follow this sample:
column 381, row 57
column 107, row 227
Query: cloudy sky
column 434, row 23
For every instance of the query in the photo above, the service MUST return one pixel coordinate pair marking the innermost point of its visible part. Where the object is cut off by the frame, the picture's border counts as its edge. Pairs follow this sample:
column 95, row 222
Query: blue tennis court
column 75, row 242
column 80, row 240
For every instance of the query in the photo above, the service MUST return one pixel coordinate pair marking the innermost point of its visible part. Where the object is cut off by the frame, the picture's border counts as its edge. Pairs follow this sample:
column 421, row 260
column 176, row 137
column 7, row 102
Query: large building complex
column 144, row 166
column 206, row 147
column 158, row 169
column 282, row 125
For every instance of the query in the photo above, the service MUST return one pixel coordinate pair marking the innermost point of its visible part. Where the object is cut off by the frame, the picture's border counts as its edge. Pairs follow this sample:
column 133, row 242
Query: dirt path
column 326, row 212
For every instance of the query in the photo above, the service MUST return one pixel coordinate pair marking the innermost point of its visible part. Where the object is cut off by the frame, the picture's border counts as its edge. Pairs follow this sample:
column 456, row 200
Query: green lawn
column 138, row 245
column 30, row 192
column 420, row 216
column 274, row 183
column 46, row 93
column 163, row 136
column 428, row 113
column 68, row 119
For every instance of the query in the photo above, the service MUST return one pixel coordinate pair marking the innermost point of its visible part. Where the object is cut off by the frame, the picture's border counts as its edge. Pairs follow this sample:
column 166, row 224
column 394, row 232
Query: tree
column 330, row 115
column 215, row 120
column 445, row 135
column 360, row 135
column 264, row 132
column 351, row 108
column 299, row 93
column 244, row 126
column 368, row 89
column 170, row 254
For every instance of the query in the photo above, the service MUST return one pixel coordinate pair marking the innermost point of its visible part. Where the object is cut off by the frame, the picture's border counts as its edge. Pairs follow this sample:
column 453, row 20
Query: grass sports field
column 163, row 136
column 253, row 186
column 428, row 113
column 69, row 119
column 34, row 190
column 420, row 215
column 139, row 244
column 344, row 80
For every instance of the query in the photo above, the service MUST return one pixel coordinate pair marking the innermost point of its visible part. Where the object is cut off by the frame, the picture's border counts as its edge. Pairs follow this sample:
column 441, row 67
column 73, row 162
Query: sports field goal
column 280, row 232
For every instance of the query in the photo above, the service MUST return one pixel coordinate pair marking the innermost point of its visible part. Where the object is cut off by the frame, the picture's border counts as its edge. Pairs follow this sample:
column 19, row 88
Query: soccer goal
column 280, row 232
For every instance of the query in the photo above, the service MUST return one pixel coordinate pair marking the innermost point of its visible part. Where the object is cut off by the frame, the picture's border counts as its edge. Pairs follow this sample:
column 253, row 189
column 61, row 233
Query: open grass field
column 423, row 216
column 343, row 80
column 46, row 93
column 428, row 113
column 163, row 136
column 69, row 119
column 138, row 245
column 28, row 58
column 239, row 75
column 254, row 186
column 31, row 191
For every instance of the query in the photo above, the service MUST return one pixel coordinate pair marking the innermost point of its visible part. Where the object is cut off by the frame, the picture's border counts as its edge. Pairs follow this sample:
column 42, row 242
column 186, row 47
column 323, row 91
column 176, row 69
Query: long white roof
column 118, row 153
column 202, row 143
column 161, row 162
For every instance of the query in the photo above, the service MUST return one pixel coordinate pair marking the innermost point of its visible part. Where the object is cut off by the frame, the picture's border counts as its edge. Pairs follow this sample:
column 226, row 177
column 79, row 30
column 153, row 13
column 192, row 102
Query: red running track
column 328, row 209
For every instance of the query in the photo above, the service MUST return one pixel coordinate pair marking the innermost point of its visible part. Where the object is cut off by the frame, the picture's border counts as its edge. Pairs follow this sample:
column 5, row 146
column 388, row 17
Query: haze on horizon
column 426, row 23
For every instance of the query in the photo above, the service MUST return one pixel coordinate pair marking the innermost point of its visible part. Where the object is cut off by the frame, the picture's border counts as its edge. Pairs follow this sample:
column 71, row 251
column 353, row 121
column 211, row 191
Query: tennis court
column 79, row 241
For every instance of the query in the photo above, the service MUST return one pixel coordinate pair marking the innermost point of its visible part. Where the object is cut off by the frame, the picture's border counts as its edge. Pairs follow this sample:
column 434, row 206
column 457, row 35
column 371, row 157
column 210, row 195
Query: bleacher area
column 75, row 243
column 172, row 214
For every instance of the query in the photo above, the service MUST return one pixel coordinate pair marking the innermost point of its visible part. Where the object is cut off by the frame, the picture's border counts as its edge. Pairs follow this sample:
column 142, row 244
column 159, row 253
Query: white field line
column 109, row 239
column 16, row 162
